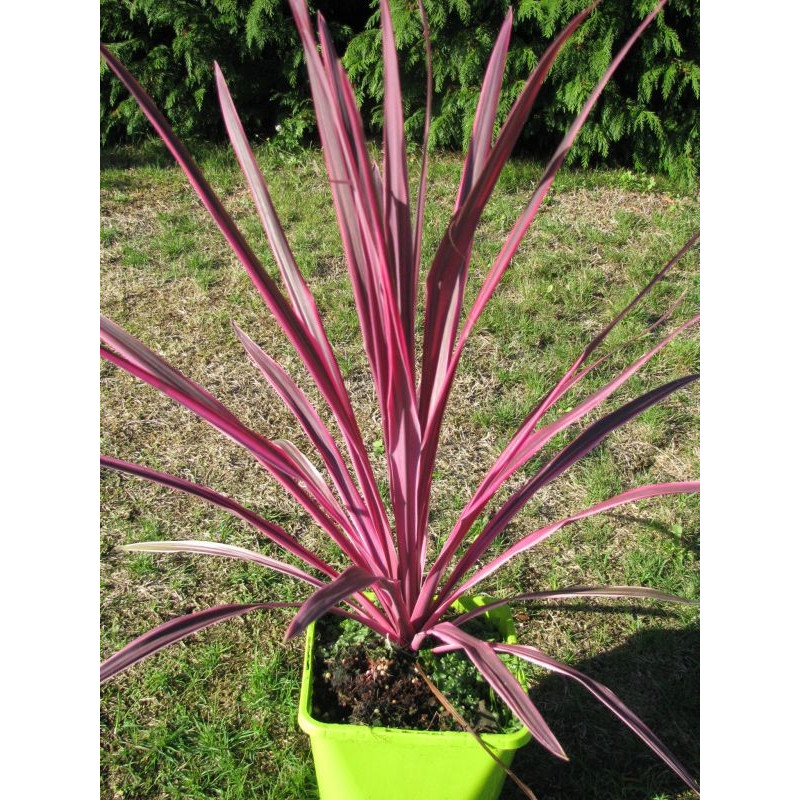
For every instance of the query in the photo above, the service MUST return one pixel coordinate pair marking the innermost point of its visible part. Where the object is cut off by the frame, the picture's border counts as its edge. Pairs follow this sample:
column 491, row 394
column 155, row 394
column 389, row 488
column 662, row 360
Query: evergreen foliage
column 648, row 117
column 171, row 46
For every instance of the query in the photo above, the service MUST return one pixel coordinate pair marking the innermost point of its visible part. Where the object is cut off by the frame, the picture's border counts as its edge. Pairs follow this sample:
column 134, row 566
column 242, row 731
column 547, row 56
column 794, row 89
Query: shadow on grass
column 148, row 153
column 152, row 153
column 689, row 541
column 657, row 674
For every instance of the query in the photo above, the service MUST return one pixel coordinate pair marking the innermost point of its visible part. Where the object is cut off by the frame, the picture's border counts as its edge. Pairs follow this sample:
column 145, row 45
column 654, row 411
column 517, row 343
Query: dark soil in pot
column 360, row 680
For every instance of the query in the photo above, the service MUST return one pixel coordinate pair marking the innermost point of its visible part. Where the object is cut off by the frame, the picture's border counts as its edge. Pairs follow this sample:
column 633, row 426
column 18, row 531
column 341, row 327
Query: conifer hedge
column 648, row 117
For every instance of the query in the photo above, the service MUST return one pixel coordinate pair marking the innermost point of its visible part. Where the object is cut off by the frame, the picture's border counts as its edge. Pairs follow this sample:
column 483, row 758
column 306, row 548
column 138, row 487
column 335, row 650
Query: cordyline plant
column 387, row 549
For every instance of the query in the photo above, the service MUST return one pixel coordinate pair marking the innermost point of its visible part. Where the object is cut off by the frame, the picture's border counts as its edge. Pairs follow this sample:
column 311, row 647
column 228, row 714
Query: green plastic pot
column 359, row 762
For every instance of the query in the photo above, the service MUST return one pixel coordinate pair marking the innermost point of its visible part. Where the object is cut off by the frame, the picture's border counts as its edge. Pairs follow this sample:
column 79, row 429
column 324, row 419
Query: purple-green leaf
column 173, row 631
column 573, row 452
column 503, row 682
column 269, row 529
column 352, row 580
column 224, row 550
column 635, row 592
column 608, row 699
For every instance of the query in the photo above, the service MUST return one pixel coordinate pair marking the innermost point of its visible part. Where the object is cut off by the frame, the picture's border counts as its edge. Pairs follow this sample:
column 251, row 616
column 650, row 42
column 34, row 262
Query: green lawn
column 215, row 715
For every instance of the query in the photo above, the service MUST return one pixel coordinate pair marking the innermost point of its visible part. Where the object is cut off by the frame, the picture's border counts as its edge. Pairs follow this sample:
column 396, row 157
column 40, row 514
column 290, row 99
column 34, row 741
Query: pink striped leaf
column 298, row 290
column 667, row 314
column 616, row 592
column 367, row 257
column 577, row 449
column 341, row 174
column 532, row 539
column 499, row 472
column 515, row 457
column 305, row 306
column 173, row 631
column 423, row 176
column 269, row 529
column 522, row 224
column 318, row 434
column 570, row 378
column 398, row 398
column 292, row 325
column 271, row 457
column 499, row 677
column 608, row 699
column 435, row 369
column 272, row 531
column 224, row 550
column 396, row 203
column 396, row 360
column 527, row 449
column 480, row 142
column 443, row 273
column 377, row 182
column 366, row 540
column 375, row 301
column 302, row 299
column 657, row 278
column 307, row 469
column 576, row 378
column 144, row 358
column 352, row 580
column 479, row 147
